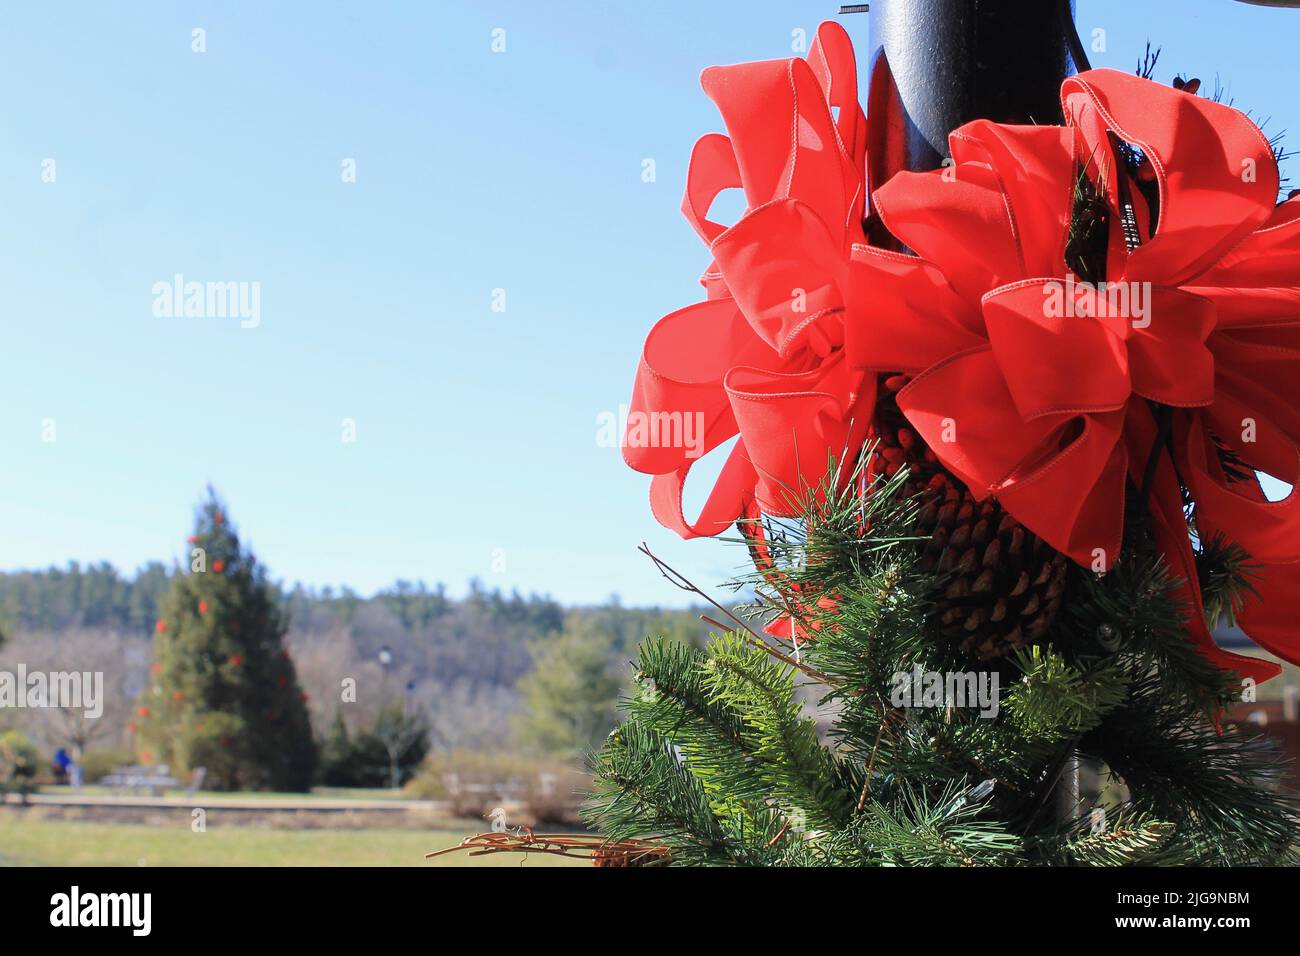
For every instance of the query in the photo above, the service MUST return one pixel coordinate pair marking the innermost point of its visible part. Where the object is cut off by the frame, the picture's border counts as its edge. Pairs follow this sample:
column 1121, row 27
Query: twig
column 580, row 846
column 676, row 578
column 746, row 633
column 871, row 762
column 718, row 624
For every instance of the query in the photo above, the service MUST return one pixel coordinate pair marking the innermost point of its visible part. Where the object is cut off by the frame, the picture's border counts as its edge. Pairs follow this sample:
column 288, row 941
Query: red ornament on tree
column 203, row 607
column 131, row 728
column 142, row 712
column 156, row 668
column 160, row 626
column 236, row 660
column 178, row 695
column 218, row 566
column 217, row 518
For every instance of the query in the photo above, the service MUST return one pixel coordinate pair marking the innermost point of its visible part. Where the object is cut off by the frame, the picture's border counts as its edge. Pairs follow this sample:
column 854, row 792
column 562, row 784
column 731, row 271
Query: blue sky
column 475, row 451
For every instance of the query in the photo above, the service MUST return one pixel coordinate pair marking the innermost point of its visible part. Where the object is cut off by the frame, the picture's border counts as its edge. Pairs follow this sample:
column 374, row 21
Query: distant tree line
column 487, row 672
column 99, row 596
column 89, row 596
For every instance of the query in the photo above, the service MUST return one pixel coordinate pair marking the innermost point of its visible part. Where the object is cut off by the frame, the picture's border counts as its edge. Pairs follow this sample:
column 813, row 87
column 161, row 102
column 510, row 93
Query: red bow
column 763, row 356
column 1032, row 388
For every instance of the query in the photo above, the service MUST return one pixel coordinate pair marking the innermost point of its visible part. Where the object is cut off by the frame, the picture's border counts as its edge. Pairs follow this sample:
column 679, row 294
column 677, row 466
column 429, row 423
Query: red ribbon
column 1046, row 410
column 1029, row 387
column 763, row 356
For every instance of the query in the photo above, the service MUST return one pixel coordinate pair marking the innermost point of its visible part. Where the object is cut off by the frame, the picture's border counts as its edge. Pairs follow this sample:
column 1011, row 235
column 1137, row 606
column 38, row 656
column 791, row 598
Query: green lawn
column 35, row 842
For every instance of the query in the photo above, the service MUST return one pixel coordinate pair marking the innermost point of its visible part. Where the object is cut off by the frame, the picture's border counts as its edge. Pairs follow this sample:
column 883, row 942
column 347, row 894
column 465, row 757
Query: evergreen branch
column 642, row 790
column 1133, row 613
column 1055, row 700
column 1226, row 575
column 1128, row 838
column 914, row 829
column 733, row 772
column 1221, row 789
column 676, row 701
column 804, row 776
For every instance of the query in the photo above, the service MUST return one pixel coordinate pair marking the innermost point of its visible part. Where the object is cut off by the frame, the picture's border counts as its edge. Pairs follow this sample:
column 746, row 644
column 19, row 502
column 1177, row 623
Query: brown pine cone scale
column 1002, row 584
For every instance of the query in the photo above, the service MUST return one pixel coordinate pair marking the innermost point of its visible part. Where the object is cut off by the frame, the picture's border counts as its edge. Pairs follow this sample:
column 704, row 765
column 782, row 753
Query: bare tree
column 123, row 662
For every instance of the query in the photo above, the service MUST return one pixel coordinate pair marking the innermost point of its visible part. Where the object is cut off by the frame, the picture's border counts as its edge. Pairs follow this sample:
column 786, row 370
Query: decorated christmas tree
column 1002, row 420
column 225, row 695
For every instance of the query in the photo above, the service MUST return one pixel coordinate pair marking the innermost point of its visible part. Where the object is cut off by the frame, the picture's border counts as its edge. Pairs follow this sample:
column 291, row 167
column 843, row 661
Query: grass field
column 29, row 842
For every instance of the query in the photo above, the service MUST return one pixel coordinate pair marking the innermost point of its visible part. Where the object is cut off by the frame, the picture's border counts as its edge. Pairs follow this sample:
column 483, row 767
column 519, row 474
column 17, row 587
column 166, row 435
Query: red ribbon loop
column 764, row 357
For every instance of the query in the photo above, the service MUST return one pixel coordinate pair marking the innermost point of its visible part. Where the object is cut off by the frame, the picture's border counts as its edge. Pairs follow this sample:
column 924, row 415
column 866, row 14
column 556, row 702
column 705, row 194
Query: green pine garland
column 722, row 759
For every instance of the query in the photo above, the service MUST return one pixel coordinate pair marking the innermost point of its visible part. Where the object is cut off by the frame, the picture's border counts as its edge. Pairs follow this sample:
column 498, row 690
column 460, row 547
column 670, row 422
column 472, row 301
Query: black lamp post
column 936, row 64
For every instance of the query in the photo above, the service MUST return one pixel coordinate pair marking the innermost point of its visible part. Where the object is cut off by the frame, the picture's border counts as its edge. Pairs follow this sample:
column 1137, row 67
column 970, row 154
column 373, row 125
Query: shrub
column 96, row 764
column 475, row 783
column 18, row 762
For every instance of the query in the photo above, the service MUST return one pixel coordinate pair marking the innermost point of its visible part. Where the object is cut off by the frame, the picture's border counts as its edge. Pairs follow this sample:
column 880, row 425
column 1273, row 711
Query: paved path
column 232, row 802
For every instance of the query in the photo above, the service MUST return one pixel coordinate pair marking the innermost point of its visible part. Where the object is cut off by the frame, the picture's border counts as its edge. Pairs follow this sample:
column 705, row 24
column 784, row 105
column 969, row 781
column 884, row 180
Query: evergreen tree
column 336, row 754
column 570, row 697
column 226, row 695
column 403, row 739
column 385, row 755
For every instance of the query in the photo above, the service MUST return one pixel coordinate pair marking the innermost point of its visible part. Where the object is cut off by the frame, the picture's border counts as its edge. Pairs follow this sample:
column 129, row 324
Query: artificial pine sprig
column 804, row 777
column 720, row 761
column 641, row 788
column 1122, row 836
column 1226, row 574
column 1219, row 786
column 916, row 829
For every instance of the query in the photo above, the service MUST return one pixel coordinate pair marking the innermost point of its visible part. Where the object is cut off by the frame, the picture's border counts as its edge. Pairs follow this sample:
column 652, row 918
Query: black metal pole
column 936, row 64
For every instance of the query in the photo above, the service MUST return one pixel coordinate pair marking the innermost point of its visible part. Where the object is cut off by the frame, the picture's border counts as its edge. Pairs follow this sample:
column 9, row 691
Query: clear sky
column 476, row 448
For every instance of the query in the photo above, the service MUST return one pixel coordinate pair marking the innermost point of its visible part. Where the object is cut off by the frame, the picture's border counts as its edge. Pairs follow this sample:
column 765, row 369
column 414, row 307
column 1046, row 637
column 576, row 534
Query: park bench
column 151, row 780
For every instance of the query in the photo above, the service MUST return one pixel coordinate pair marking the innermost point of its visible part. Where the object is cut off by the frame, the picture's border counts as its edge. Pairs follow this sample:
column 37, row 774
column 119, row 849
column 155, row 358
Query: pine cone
column 1002, row 584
